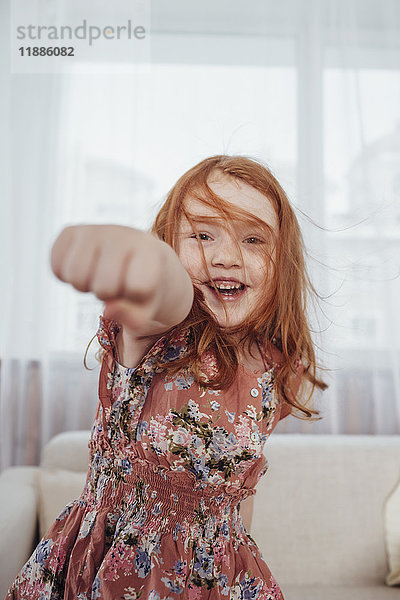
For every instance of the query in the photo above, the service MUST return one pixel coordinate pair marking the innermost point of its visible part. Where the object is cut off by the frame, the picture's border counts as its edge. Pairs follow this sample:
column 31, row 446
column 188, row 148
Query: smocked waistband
column 176, row 492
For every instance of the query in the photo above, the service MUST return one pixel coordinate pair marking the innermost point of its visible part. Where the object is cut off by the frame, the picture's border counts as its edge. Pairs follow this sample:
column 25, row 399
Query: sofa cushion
column 392, row 536
column 68, row 450
column 318, row 511
column 57, row 488
column 18, row 510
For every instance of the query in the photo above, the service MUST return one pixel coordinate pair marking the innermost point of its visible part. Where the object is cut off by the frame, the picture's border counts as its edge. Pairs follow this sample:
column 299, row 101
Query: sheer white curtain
column 312, row 88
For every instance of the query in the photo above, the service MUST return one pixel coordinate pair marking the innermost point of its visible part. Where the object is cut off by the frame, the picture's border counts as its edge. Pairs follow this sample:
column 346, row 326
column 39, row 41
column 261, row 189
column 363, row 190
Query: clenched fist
column 140, row 278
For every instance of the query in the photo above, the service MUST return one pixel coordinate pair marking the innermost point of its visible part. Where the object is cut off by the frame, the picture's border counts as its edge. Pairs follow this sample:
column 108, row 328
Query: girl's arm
column 140, row 278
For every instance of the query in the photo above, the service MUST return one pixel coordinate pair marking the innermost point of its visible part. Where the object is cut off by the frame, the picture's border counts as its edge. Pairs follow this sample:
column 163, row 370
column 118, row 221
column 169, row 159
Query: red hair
column 281, row 319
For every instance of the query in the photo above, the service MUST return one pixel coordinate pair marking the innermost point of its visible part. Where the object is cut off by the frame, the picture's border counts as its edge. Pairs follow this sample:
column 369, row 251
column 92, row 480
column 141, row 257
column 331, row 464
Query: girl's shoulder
column 275, row 358
column 272, row 356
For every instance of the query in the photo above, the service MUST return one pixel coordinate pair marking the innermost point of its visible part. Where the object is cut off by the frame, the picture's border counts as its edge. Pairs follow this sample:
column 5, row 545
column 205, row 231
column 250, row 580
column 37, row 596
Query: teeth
column 228, row 286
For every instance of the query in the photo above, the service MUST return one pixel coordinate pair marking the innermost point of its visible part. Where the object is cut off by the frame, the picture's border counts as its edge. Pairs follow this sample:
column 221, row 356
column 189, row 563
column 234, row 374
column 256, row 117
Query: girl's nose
column 226, row 254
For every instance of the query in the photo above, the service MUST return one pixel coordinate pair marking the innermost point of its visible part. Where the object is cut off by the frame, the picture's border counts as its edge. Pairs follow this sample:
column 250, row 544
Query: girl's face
column 236, row 256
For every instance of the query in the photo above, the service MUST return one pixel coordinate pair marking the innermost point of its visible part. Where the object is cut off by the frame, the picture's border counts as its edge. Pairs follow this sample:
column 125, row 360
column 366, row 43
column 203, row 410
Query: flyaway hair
column 281, row 319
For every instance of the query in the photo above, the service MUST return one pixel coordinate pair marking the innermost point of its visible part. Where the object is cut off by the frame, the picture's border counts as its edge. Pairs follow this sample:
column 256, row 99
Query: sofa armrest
column 18, row 521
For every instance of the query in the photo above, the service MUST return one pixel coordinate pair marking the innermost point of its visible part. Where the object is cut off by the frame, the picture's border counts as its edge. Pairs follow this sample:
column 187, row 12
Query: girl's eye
column 201, row 236
column 254, row 240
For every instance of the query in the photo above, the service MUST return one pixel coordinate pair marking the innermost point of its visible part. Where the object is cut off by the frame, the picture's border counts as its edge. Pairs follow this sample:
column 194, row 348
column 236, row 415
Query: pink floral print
column 170, row 463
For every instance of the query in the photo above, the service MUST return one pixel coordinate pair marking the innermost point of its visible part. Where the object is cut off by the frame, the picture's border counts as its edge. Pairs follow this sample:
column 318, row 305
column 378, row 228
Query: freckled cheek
column 261, row 274
column 258, row 264
column 192, row 262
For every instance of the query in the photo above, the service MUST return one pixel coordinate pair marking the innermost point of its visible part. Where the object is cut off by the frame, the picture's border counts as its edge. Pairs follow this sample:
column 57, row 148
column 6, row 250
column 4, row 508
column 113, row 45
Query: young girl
column 205, row 341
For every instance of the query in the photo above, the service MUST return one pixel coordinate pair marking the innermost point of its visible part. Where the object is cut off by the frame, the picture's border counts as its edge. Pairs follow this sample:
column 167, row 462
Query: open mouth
column 227, row 289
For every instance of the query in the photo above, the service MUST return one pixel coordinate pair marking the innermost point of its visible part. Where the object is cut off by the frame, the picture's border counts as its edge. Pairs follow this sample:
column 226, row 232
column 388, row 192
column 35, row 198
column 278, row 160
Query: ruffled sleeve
column 106, row 335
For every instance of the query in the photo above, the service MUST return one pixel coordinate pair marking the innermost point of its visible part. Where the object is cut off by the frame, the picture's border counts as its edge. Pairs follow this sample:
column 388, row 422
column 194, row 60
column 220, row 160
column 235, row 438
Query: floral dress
column 170, row 462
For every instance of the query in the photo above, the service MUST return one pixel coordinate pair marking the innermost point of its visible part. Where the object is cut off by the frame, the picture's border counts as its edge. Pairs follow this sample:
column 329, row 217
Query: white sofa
column 318, row 512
